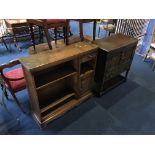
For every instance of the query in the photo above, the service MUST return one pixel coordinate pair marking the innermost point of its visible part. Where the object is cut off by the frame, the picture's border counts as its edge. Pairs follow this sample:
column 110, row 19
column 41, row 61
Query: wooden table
column 15, row 26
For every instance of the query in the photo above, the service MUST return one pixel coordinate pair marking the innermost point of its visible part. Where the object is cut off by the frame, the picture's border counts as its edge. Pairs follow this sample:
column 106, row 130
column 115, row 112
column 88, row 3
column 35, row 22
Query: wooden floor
column 60, row 43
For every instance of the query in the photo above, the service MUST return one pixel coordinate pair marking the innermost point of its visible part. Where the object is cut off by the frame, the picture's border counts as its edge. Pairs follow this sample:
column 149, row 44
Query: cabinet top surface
column 114, row 42
column 53, row 57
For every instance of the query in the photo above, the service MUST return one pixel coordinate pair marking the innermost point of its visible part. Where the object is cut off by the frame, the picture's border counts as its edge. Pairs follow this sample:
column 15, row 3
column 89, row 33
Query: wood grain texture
column 57, row 80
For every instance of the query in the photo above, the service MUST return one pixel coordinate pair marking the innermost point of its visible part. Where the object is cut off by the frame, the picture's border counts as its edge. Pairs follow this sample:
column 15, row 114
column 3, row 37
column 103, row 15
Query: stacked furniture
column 59, row 80
column 46, row 24
column 115, row 56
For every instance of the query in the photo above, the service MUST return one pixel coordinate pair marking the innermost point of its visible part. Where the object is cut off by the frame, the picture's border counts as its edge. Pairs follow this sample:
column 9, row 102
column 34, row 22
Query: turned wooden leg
column 99, row 29
column 64, row 33
column 81, row 30
column 94, row 30
column 55, row 34
column 5, row 43
column 40, row 34
column 32, row 36
column 5, row 92
column 48, row 38
column 67, row 29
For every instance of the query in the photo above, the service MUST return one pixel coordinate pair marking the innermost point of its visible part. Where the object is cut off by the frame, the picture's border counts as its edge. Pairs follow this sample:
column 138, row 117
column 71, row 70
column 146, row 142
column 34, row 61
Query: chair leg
column 17, row 102
column 94, row 30
column 55, row 33
column 99, row 31
column 67, row 29
column 5, row 43
column 32, row 36
column 81, row 30
column 146, row 55
column 5, row 92
column 48, row 38
column 153, row 67
column 40, row 34
column 16, row 40
column 64, row 33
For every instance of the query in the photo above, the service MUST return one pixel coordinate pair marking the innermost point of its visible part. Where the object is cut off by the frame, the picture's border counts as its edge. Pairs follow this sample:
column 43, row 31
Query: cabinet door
column 112, row 65
column 126, row 54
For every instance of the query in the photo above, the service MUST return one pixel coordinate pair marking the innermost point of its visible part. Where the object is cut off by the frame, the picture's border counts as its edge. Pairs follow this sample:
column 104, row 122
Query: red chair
column 46, row 24
column 13, row 80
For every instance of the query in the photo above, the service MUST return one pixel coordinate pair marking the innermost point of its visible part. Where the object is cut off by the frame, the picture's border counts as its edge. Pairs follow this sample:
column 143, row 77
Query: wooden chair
column 17, row 28
column 2, row 36
column 108, row 25
column 81, row 22
column 46, row 24
column 151, row 52
column 13, row 80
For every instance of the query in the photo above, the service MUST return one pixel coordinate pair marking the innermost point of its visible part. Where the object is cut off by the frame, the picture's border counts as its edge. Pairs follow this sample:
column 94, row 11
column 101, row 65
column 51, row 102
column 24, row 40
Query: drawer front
column 88, row 57
column 86, row 84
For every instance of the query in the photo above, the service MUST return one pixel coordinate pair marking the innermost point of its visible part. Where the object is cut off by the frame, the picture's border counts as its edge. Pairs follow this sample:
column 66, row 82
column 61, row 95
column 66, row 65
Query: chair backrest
column 8, row 65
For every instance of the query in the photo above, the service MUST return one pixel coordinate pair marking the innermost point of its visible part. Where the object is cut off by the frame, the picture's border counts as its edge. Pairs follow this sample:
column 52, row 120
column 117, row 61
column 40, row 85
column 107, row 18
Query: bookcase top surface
column 114, row 42
column 49, row 58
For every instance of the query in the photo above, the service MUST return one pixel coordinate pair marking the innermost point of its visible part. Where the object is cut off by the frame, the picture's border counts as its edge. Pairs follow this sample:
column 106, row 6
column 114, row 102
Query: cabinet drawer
column 88, row 57
column 86, row 84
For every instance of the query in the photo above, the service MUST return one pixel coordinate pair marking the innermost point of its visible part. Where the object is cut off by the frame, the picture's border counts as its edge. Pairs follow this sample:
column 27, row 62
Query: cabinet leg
column 126, row 74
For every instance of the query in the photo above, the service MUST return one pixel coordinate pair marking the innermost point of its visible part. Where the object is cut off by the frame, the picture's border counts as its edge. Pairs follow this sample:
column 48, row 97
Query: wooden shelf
column 87, row 66
column 63, row 109
column 65, row 74
column 87, row 73
column 57, row 102
column 46, row 79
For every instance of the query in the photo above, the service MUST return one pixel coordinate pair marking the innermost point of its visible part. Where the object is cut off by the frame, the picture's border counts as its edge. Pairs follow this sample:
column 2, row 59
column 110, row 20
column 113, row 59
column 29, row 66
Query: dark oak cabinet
column 114, row 58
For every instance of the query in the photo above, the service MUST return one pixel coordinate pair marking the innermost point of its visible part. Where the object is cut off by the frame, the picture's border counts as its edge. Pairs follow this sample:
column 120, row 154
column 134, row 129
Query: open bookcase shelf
column 54, row 74
column 59, row 80
column 56, row 100
column 87, row 67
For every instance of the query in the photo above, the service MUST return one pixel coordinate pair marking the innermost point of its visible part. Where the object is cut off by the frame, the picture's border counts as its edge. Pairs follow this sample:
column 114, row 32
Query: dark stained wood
column 6, row 82
column 59, row 80
column 81, row 22
column 114, row 57
column 42, row 23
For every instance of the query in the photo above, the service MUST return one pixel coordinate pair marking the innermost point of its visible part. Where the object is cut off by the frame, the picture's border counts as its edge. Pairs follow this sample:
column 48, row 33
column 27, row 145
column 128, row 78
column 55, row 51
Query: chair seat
column 19, row 84
column 55, row 21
